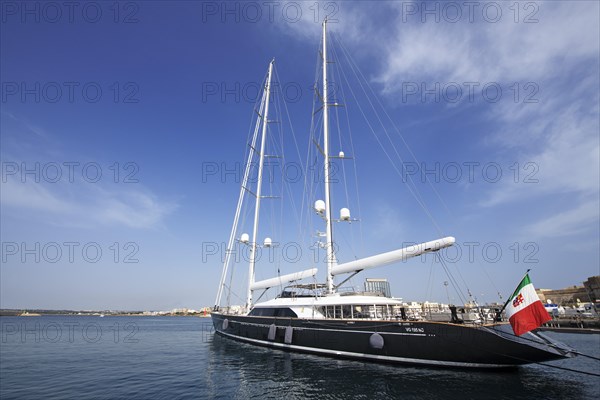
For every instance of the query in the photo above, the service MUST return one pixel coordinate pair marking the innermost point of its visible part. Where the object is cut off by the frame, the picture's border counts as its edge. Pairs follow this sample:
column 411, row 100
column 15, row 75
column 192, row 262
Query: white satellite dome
column 345, row 214
column 320, row 206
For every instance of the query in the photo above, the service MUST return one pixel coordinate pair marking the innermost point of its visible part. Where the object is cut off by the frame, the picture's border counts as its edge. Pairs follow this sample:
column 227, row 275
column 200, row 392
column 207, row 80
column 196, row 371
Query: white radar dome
column 320, row 206
column 345, row 214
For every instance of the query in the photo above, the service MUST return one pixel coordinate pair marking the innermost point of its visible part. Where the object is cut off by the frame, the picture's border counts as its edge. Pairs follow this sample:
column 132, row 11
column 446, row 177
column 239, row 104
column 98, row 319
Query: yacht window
column 346, row 312
column 273, row 312
column 337, row 312
column 364, row 311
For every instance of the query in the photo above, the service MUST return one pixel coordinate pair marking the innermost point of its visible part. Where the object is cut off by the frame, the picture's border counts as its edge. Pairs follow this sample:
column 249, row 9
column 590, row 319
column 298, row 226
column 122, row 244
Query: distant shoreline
column 40, row 312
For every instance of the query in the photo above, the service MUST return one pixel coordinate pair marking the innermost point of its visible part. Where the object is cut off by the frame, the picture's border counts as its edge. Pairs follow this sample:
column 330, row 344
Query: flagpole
column 499, row 313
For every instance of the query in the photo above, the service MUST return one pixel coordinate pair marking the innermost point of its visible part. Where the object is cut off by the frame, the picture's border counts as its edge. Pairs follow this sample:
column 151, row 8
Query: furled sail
column 296, row 276
column 392, row 256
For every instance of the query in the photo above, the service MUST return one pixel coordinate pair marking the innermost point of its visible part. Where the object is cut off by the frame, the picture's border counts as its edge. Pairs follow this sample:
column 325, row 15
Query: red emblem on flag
column 518, row 300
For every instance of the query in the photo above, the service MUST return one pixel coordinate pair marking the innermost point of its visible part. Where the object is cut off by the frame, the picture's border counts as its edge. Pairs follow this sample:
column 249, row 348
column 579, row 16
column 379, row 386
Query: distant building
column 592, row 286
column 586, row 293
column 377, row 285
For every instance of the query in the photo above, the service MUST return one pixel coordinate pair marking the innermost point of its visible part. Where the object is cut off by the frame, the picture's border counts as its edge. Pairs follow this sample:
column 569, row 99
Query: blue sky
column 153, row 94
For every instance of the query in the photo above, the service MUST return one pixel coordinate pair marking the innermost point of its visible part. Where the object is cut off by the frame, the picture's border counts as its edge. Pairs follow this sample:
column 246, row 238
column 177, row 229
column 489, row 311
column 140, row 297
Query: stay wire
column 399, row 134
column 410, row 183
column 452, row 280
column 342, row 162
column 552, row 345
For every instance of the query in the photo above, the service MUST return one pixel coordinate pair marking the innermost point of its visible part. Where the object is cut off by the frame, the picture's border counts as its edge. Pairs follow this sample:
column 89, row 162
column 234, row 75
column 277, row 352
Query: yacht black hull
column 403, row 342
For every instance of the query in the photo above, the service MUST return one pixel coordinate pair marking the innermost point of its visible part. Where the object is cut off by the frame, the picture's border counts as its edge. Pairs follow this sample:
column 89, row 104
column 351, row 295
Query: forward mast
column 261, row 160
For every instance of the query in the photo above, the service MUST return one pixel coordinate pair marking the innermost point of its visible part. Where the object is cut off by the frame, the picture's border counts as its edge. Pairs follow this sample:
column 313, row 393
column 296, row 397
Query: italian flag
column 525, row 311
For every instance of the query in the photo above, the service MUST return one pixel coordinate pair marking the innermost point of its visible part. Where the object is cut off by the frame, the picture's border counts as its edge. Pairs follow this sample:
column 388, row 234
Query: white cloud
column 31, row 196
column 559, row 133
column 571, row 222
column 346, row 19
column 567, row 162
column 136, row 209
column 72, row 199
column 559, row 54
column 566, row 33
column 83, row 204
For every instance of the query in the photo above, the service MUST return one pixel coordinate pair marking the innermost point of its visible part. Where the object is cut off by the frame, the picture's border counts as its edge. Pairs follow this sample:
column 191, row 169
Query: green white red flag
column 525, row 311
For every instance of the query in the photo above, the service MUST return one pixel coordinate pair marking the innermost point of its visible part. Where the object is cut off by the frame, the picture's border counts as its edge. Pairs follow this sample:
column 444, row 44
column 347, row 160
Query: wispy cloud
column 559, row 133
column 565, row 34
column 566, row 161
column 133, row 208
column 571, row 222
column 32, row 196
column 557, row 51
column 83, row 205
column 69, row 202
column 345, row 18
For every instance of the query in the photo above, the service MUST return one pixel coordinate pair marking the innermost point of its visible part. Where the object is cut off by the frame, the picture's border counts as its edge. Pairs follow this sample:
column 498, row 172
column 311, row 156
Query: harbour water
column 75, row 357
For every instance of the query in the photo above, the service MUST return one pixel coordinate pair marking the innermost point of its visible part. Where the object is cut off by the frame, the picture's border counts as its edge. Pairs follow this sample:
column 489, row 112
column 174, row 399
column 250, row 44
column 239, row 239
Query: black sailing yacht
column 319, row 318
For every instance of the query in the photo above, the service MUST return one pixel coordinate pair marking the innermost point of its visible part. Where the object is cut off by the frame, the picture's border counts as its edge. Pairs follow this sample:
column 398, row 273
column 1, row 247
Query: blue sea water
column 85, row 357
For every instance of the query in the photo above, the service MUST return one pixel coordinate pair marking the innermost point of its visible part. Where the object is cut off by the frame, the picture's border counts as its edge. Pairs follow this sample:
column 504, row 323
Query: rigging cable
column 297, row 214
column 353, row 153
column 397, row 130
column 551, row 345
column 395, row 127
column 356, row 70
column 452, row 280
column 311, row 159
column 414, row 191
column 242, row 203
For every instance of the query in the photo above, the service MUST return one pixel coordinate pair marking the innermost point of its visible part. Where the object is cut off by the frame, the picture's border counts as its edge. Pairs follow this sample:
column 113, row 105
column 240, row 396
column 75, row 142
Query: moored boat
column 319, row 318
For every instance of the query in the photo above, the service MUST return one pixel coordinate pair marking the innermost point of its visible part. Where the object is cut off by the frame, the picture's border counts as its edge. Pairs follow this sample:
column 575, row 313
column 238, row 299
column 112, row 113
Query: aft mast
column 328, row 221
column 253, row 244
